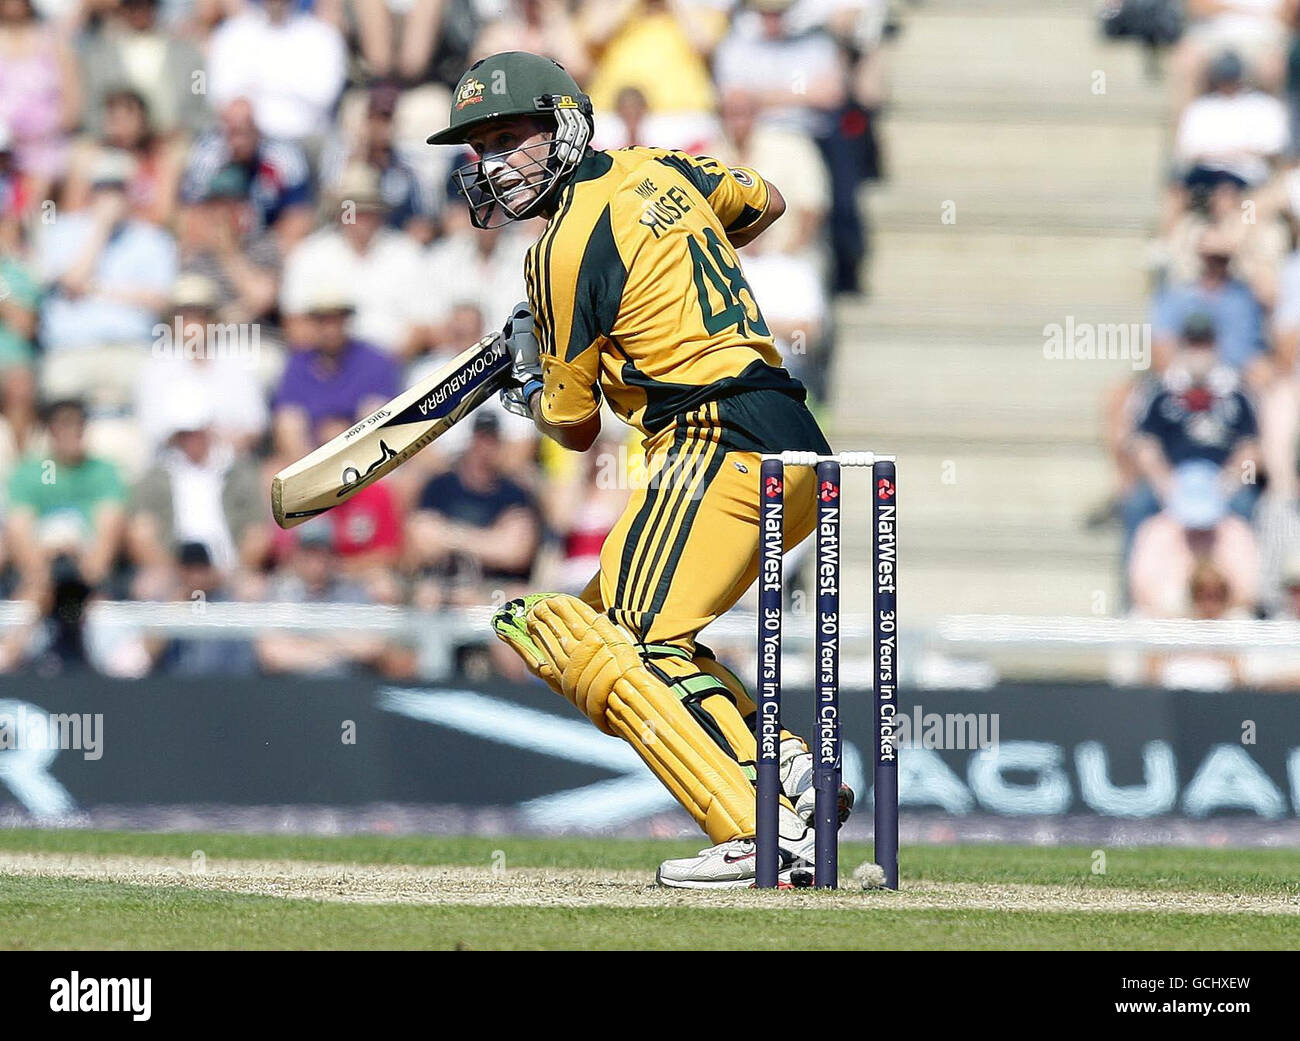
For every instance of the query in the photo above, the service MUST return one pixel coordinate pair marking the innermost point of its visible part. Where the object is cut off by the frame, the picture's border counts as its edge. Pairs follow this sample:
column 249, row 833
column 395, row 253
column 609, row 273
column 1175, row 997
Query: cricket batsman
column 636, row 297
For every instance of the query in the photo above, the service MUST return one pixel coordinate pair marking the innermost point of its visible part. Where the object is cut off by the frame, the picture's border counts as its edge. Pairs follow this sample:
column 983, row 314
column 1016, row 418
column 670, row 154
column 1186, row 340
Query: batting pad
column 741, row 737
column 598, row 668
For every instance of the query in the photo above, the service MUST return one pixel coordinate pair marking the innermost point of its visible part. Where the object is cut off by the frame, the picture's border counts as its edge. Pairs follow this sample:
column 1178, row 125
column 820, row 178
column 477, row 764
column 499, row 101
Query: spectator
column 435, row 38
column 199, row 582
column 790, row 294
column 19, row 302
column 69, row 505
column 127, row 128
column 1237, row 316
column 635, row 41
column 1255, row 28
column 1277, row 521
column 383, row 269
column 278, row 177
column 373, row 23
column 1278, row 668
column 1279, row 403
column 797, row 78
column 582, row 511
column 482, row 268
column 329, row 374
column 288, row 63
column 1194, row 526
column 56, row 640
column 1230, row 133
column 1210, row 595
column 220, row 240
column 313, row 577
column 1257, row 246
column 108, row 275
column 1290, row 583
column 196, row 363
column 540, row 26
column 198, row 491
column 367, row 529
column 410, row 206
column 130, row 53
column 1199, row 415
column 464, row 326
column 16, row 196
column 40, row 94
column 810, row 97
column 626, row 126
column 475, row 530
column 789, row 159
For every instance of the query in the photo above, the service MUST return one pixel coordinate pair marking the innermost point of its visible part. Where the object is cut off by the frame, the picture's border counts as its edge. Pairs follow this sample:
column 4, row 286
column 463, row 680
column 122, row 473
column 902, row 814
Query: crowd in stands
column 223, row 240
column 1206, row 442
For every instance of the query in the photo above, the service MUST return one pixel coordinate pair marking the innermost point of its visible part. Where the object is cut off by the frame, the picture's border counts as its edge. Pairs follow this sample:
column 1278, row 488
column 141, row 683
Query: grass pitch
column 118, row 890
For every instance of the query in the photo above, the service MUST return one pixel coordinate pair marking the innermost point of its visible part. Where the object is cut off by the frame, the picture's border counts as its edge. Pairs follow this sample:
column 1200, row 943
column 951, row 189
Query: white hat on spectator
column 195, row 292
column 359, row 184
column 187, row 410
column 329, row 298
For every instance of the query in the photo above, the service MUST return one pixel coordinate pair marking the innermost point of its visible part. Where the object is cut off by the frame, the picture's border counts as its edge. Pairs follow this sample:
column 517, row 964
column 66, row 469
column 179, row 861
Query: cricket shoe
column 733, row 864
column 797, row 783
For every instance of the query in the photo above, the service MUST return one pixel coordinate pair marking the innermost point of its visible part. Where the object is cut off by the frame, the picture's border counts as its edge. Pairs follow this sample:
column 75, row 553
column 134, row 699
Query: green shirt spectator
column 19, row 295
column 67, row 504
column 51, row 489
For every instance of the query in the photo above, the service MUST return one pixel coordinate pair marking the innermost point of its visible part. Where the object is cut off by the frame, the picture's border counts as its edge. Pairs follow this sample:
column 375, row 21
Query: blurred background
column 1043, row 250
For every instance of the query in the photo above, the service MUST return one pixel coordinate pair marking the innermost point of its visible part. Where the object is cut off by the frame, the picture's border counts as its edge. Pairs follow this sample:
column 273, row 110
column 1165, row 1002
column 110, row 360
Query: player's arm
column 775, row 207
column 577, row 437
column 524, row 393
column 746, row 203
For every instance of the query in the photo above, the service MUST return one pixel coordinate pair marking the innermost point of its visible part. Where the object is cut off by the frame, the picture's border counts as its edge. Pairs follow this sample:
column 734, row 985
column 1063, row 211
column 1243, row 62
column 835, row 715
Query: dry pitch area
column 97, row 889
column 585, row 887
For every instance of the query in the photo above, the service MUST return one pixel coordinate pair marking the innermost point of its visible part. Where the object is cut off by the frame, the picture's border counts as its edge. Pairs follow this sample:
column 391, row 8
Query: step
column 1027, row 66
column 1000, row 390
column 953, row 273
column 1017, row 178
column 928, row 591
column 966, row 490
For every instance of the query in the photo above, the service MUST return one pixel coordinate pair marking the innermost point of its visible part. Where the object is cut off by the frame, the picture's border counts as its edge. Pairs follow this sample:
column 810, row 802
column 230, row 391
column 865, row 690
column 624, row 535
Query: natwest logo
column 772, row 487
column 829, row 491
column 884, row 488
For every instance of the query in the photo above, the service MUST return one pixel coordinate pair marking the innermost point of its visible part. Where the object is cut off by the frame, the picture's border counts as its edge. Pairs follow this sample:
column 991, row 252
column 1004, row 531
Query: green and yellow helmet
column 507, row 86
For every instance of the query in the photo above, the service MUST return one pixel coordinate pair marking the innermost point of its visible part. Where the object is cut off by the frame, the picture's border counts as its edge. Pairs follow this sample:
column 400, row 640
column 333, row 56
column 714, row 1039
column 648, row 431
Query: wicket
column 826, row 742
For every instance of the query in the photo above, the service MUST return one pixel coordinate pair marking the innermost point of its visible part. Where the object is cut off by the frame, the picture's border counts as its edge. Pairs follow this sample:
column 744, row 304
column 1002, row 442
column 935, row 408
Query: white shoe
column 732, row 865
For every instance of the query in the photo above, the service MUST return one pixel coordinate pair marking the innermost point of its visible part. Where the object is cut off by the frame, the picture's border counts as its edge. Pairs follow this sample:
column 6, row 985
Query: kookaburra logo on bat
column 351, row 475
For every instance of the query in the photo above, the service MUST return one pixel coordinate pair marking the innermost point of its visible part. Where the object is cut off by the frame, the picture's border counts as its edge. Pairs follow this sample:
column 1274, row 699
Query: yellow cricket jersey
column 638, row 295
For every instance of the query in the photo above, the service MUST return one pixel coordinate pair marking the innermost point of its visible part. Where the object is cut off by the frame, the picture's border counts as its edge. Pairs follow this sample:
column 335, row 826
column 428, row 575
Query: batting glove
column 525, row 361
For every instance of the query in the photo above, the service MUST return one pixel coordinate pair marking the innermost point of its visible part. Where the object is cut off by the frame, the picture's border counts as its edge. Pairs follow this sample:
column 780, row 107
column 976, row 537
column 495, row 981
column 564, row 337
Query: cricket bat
column 389, row 436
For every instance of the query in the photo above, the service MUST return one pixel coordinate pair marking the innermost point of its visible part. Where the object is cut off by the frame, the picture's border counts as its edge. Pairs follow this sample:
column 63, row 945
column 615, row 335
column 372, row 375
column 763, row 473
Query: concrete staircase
column 1055, row 187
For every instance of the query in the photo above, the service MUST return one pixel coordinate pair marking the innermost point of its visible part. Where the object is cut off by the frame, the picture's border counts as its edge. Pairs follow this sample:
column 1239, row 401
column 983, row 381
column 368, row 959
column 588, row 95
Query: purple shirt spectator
column 323, row 391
